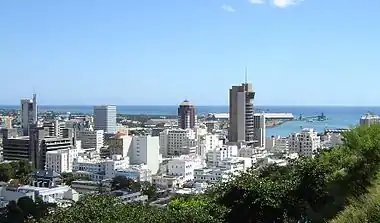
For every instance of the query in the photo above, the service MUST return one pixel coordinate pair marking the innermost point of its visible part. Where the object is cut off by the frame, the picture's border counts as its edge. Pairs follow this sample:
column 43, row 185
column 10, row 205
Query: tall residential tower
column 259, row 129
column 105, row 118
column 241, row 114
column 28, row 114
column 186, row 115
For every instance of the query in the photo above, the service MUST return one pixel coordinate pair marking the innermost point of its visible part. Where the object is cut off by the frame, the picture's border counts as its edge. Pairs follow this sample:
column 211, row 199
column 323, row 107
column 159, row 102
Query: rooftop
column 186, row 103
column 370, row 116
column 20, row 138
column 46, row 173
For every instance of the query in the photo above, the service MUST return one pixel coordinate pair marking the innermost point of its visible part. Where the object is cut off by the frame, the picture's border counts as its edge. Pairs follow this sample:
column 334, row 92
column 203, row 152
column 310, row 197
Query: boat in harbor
column 320, row 118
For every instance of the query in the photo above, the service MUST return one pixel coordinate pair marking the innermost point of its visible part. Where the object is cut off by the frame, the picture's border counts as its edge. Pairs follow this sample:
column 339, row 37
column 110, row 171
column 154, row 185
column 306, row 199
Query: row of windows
column 207, row 178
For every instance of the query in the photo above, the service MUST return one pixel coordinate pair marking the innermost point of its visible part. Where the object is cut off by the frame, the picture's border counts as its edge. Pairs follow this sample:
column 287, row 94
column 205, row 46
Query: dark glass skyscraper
column 186, row 115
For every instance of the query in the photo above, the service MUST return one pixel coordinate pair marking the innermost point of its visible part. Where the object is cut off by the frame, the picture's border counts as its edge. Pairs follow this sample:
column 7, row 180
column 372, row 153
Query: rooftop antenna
column 246, row 74
column 34, row 93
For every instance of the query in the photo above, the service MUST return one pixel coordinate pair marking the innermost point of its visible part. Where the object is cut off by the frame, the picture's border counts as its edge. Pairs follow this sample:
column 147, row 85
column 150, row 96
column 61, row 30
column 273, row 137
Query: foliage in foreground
column 25, row 208
column 107, row 209
column 363, row 209
column 308, row 190
column 124, row 183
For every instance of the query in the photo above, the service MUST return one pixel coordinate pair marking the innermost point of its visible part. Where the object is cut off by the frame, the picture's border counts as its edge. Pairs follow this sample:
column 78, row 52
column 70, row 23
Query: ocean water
column 338, row 117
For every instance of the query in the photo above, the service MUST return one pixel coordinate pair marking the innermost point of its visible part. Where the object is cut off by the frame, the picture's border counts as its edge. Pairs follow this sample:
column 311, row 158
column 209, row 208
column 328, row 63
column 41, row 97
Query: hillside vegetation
column 308, row 190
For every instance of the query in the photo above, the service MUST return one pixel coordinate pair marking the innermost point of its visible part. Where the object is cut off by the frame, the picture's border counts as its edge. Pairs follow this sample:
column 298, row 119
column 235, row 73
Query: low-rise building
column 221, row 153
column 248, row 151
column 197, row 188
column 51, row 195
column 168, row 181
column 45, row 178
column 99, row 169
column 330, row 140
column 137, row 173
column 62, row 160
column 129, row 197
column 210, row 175
column 223, row 170
column 83, row 187
column 10, row 193
column 184, row 166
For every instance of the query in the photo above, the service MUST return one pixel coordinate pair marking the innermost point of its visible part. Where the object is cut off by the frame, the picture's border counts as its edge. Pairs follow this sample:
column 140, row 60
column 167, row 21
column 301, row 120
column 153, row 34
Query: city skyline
column 139, row 53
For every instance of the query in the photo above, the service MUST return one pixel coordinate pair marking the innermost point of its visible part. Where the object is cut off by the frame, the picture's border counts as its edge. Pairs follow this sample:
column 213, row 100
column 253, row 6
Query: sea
column 337, row 117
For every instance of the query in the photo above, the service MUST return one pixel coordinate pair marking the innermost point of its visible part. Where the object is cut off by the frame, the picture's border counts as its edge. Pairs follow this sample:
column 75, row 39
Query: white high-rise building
column 91, row 139
column 259, row 129
column 28, row 113
column 119, row 144
column 277, row 144
column 221, row 153
column 208, row 143
column 145, row 150
column 175, row 142
column 61, row 160
column 304, row 143
column 54, row 128
column 105, row 118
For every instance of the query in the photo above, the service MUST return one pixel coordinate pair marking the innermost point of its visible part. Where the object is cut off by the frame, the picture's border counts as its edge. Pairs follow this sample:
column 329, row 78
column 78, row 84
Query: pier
column 271, row 119
column 276, row 119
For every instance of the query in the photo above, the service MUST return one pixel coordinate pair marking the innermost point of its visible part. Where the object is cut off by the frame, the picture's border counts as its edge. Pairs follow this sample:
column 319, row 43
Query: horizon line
column 202, row 105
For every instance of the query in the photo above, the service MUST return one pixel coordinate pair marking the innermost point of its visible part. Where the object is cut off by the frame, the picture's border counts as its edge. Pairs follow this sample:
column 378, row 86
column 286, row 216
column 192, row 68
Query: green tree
column 124, row 183
column 6, row 172
column 108, row 209
column 68, row 178
column 309, row 189
column 25, row 208
column 13, row 214
column 148, row 189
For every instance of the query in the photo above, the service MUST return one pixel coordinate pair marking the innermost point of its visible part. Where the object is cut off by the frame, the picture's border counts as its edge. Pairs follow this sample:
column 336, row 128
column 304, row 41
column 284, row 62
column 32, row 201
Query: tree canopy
column 24, row 209
column 107, row 209
column 68, row 178
column 17, row 170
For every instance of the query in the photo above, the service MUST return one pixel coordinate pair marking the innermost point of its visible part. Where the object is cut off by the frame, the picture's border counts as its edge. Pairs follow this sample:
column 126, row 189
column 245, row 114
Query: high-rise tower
column 241, row 114
column 186, row 115
column 105, row 118
column 28, row 114
column 259, row 129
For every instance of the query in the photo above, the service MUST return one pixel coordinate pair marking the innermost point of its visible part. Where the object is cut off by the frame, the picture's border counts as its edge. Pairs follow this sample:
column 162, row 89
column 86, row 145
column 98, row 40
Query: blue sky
column 140, row 52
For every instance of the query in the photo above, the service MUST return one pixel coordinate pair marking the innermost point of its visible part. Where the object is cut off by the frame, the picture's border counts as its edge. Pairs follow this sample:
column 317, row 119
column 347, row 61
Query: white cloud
column 228, row 8
column 285, row 3
column 257, row 1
